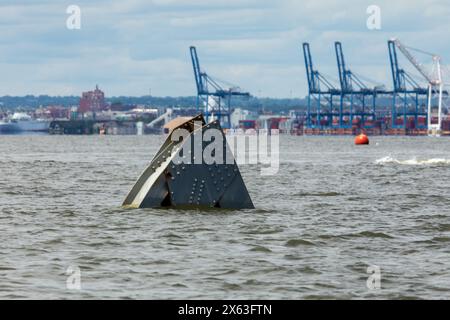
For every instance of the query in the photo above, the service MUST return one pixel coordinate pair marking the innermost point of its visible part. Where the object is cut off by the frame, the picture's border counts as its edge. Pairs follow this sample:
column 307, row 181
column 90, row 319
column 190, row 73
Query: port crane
column 215, row 99
column 408, row 91
column 352, row 87
column 434, row 80
column 319, row 89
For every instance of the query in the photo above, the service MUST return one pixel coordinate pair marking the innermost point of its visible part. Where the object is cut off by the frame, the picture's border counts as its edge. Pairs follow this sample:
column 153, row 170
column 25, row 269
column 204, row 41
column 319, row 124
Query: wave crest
column 414, row 161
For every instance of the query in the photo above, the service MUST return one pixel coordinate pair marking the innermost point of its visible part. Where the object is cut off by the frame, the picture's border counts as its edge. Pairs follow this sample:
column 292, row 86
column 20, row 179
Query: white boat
column 22, row 122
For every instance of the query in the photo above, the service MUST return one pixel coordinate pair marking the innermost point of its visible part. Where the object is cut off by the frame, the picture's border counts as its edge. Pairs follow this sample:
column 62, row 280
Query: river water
column 333, row 214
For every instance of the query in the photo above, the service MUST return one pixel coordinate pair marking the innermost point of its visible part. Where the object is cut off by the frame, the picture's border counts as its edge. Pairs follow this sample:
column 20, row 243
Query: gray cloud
column 130, row 46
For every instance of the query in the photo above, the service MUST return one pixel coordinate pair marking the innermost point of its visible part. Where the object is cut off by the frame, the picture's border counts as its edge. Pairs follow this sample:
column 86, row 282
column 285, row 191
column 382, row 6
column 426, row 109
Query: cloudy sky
column 134, row 46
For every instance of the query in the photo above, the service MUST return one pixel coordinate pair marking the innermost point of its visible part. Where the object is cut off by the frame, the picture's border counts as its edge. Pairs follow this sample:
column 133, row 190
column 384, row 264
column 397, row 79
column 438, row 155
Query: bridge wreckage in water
column 176, row 178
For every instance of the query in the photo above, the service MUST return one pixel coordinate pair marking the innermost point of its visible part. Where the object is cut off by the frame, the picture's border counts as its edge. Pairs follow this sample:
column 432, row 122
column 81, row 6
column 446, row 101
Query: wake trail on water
column 413, row 162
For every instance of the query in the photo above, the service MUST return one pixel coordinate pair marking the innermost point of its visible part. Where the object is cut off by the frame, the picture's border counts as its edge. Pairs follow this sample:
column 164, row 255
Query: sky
column 138, row 47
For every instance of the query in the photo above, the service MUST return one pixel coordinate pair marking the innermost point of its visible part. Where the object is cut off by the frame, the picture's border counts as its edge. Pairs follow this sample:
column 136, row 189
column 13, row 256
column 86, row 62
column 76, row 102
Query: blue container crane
column 412, row 96
column 211, row 94
column 361, row 99
column 319, row 88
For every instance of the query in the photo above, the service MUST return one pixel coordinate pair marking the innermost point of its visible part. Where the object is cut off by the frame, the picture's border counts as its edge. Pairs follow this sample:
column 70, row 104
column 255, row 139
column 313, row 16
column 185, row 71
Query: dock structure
column 91, row 126
column 356, row 106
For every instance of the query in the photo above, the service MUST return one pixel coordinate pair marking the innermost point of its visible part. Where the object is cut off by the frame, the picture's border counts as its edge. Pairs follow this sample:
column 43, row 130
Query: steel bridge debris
column 171, row 180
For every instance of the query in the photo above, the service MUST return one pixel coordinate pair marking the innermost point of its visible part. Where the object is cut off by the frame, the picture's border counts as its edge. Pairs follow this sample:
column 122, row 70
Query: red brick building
column 92, row 101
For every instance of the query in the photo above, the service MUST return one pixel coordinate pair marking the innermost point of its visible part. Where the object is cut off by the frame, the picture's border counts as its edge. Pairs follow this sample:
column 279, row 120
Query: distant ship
column 22, row 122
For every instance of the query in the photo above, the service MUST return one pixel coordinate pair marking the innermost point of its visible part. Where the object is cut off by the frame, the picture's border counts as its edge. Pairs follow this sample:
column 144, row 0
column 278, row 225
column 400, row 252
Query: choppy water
column 332, row 211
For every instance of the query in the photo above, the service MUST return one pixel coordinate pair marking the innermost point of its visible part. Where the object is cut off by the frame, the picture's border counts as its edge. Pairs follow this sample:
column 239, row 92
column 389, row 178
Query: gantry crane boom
column 419, row 67
column 345, row 76
column 197, row 71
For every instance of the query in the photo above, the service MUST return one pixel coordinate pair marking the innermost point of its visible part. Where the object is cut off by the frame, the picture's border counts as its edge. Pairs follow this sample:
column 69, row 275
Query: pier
column 79, row 127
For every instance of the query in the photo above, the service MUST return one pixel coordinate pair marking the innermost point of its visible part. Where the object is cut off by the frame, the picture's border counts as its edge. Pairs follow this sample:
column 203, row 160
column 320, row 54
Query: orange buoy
column 361, row 139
